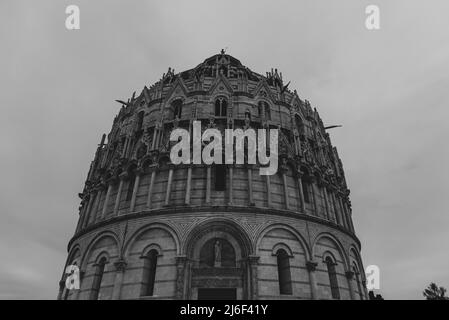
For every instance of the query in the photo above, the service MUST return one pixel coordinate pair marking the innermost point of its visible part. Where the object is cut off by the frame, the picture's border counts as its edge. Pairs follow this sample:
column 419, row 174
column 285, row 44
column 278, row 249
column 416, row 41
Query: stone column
column 135, row 190
column 268, row 190
column 208, row 184
column 150, row 188
column 169, row 183
column 250, row 185
column 120, row 270
column 343, row 214
column 284, row 181
column 301, row 194
column 336, row 210
column 180, row 277
column 326, row 202
column 122, row 177
column 311, row 267
column 231, row 179
column 314, row 196
column 189, row 185
column 106, row 200
column 350, row 277
column 253, row 263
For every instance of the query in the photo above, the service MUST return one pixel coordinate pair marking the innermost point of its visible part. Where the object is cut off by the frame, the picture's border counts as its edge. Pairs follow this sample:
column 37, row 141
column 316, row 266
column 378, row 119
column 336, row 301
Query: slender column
column 350, row 277
column 349, row 215
column 311, row 267
column 169, row 183
column 343, row 214
column 336, row 210
column 125, row 145
column 250, row 185
column 208, row 186
column 87, row 213
column 314, row 196
column 284, row 179
column 268, row 190
column 135, row 190
column 253, row 263
column 188, row 187
column 120, row 270
column 106, row 200
column 150, row 189
column 301, row 194
column 119, row 194
column 231, row 188
column 153, row 143
column 326, row 202
column 180, row 276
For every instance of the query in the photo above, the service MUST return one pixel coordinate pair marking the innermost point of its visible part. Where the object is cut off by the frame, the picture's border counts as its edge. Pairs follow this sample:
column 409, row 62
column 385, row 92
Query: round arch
column 147, row 227
column 94, row 241
column 292, row 230
column 340, row 247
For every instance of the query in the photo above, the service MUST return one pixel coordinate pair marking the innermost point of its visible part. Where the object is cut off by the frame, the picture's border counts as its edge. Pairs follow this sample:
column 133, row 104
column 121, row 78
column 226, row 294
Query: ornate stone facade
column 147, row 228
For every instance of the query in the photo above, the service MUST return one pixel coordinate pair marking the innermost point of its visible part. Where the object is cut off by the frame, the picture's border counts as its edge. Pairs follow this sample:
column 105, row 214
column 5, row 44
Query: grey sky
column 388, row 89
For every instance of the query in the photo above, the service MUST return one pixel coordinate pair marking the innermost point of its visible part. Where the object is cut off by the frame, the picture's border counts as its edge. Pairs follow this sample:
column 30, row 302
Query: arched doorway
column 218, row 267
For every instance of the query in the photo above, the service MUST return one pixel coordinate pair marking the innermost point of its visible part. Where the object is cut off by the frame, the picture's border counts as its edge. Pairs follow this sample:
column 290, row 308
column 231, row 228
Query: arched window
column 131, row 181
column 149, row 273
column 305, row 190
column 259, row 109
column 266, row 109
column 177, row 108
column 332, row 278
column 359, row 283
column 220, row 177
column 98, row 277
column 221, row 106
column 285, row 281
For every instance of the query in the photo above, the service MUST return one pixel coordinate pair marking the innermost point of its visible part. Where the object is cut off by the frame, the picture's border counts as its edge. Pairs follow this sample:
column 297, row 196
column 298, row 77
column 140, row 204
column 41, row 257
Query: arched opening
column 131, row 182
column 220, row 177
column 332, row 273
column 221, row 106
column 218, row 269
column 149, row 273
column 283, row 264
column 98, row 277
column 177, row 108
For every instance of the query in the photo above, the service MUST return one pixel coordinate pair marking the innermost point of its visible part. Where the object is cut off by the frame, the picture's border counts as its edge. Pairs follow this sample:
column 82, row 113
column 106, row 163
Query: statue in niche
column 217, row 254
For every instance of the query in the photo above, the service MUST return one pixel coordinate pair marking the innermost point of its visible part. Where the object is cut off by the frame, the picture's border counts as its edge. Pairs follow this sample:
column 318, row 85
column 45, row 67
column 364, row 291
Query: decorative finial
column 223, row 51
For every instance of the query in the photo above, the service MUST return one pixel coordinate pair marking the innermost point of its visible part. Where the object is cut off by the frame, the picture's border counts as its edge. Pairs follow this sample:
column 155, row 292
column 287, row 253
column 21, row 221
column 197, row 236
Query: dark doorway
column 217, row 294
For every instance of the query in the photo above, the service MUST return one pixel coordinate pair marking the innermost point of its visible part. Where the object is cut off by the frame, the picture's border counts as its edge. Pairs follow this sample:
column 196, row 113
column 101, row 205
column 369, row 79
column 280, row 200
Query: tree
column 433, row 292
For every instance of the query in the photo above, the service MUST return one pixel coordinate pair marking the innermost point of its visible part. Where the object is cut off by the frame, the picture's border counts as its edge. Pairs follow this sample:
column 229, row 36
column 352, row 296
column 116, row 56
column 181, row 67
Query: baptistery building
column 152, row 229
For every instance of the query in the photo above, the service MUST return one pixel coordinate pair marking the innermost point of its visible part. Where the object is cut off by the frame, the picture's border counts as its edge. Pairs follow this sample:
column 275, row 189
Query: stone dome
column 149, row 229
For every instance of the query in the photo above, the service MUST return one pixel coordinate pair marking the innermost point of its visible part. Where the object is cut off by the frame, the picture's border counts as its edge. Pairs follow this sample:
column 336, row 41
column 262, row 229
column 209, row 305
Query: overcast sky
column 388, row 88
